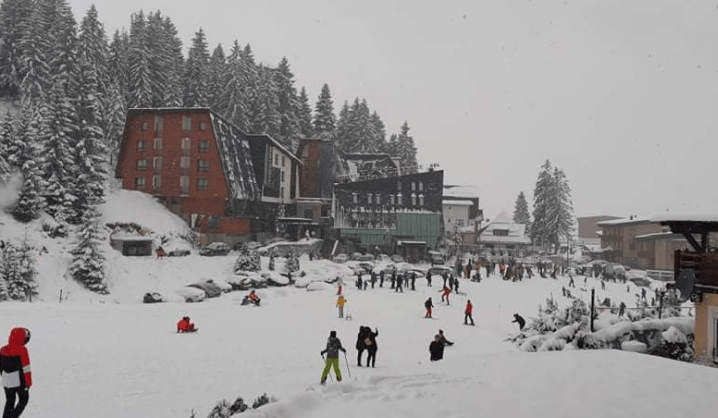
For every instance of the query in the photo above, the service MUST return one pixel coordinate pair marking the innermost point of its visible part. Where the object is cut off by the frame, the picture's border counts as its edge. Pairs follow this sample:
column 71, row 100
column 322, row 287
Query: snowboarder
column 436, row 349
column 445, row 292
column 185, row 325
column 428, row 305
column 621, row 309
column 467, row 313
column 15, row 372
column 340, row 305
column 519, row 320
column 443, row 339
column 334, row 345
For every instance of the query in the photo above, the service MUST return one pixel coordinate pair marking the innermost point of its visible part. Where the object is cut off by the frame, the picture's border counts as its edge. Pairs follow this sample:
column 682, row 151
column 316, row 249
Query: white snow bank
column 684, row 324
column 126, row 206
column 634, row 346
column 673, row 335
column 319, row 286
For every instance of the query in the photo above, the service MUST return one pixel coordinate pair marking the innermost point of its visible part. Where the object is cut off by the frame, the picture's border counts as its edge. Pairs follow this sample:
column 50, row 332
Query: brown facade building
column 588, row 228
column 222, row 181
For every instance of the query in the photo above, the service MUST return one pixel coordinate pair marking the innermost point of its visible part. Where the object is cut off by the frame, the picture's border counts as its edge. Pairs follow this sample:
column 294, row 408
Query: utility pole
column 593, row 301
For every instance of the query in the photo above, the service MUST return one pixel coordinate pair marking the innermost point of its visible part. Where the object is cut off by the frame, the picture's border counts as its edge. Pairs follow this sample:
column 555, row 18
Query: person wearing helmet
column 15, row 372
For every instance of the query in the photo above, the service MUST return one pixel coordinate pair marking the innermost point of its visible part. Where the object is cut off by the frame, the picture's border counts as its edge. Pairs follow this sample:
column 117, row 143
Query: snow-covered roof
column 455, row 190
column 457, row 202
column 131, row 238
column 276, row 144
column 236, row 157
column 685, row 217
column 516, row 231
column 623, row 221
column 411, row 243
column 658, row 235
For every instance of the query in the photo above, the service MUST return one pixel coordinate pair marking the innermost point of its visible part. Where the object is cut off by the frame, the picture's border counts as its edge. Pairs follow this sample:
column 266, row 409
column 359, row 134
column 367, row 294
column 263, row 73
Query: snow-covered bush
column 224, row 409
column 53, row 229
column 262, row 400
column 675, row 345
column 271, row 260
column 292, row 264
column 247, row 262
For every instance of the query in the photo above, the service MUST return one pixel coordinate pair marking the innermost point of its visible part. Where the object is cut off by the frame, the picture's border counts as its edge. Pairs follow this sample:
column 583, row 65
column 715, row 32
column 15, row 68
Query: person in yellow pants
column 334, row 345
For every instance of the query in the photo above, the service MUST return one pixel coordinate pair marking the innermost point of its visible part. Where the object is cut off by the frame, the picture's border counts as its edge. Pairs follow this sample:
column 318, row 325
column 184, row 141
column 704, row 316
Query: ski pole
column 347, row 363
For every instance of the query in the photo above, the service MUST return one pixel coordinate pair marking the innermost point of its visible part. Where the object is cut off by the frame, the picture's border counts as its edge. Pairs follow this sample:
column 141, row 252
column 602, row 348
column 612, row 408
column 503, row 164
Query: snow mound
column 634, row 346
column 130, row 206
column 319, row 286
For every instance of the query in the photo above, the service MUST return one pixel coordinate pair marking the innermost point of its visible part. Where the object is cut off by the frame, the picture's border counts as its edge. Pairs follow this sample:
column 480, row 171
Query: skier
column 428, row 278
column 443, row 338
column 428, row 305
column 445, row 292
column 519, row 320
column 340, row 305
column 621, row 309
column 456, row 285
column 15, row 372
column 467, row 312
column 334, row 345
column 436, row 349
column 570, row 281
column 184, row 325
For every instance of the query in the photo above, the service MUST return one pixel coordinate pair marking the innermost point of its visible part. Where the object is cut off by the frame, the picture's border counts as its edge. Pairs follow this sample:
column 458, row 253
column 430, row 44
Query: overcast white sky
column 623, row 95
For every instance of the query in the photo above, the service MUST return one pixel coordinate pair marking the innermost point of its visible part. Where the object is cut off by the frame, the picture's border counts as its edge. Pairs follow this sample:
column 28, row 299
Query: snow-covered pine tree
column 405, row 150
column 216, row 74
column 272, row 256
column 233, row 101
column 305, row 115
column 292, row 263
column 325, row 122
column 521, row 212
column 119, row 63
column 140, row 77
column 542, row 191
column 14, row 17
column 4, row 294
column 28, row 273
column 247, row 261
column 163, row 62
column 562, row 207
column 288, row 105
column 6, row 134
column 196, row 76
column 11, row 272
column 263, row 112
column 87, row 265
column 171, row 46
column 36, row 49
column 379, row 129
column 30, row 202
column 362, row 136
column 343, row 124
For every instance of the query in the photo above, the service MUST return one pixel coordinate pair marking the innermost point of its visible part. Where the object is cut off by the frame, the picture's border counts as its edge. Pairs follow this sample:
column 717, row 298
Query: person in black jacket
column 361, row 342
column 371, row 346
column 428, row 305
column 443, row 339
column 520, row 320
column 436, row 349
column 334, row 345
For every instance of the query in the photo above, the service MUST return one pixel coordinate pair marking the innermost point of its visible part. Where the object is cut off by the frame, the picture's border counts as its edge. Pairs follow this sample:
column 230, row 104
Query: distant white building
column 503, row 236
column 460, row 208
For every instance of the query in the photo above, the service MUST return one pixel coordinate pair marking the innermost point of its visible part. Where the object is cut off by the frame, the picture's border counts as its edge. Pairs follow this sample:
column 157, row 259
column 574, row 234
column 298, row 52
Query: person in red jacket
column 184, row 325
column 15, row 372
column 445, row 292
column 467, row 312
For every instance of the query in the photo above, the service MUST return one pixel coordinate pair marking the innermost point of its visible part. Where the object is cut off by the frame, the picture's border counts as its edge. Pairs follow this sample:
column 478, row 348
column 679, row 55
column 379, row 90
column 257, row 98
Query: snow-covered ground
column 112, row 356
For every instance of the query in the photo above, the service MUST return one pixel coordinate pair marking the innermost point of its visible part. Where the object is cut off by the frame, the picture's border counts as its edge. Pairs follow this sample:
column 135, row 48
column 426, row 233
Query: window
column 413, row 186
column 309, row 213
column 281, row 192
column 186, row 143
column 139, row 183
column 141, row 145
column 141, row 165
column 398, row 199
column 156, row 181
column 282, row 159
column 203, row 126
column 184, row 185
column 421, row 199
column 501, row 232
column 186, row 123
column 203, row 165
column 413, row 199
column 284, row 173
column 203, row 146
column 378, row 199
column 421, row 186
column 368, row 198
column 158, row 143
column 398, row 185
column 157, row 163
column 202, row 184
column 354, row 198
column 391, row 199
column 158, row 123
column 184, row 162
column 276, row 159
column 144, row 126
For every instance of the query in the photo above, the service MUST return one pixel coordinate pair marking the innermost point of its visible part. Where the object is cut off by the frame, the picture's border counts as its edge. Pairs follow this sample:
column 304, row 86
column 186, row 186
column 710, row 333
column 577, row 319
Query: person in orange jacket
column 340, row 304
column 253, row 297
column 15, row 372
column 184, row 325
column 467, row 312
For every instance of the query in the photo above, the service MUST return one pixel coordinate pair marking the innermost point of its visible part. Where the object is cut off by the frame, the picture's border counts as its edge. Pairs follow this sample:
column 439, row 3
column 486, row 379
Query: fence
column 662, row 275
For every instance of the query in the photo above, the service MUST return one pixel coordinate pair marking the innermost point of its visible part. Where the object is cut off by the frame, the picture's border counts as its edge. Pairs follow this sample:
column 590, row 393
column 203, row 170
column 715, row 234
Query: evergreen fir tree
column 342, row 130
column 172, row 46
column 14, row 19
column 263, row 112
column 542, row 191
column 247, row 261
column 521, row 212
column 140, row 76
column 216, row 75
column 560, row 210
column 28, row 273
column 196, row 78
column 87, row 265
column 287, row 106
column 119, row 64
column 403, row 148
column 305, row 115
column 325, row 122
column 380, row 144
column 30, row 202
column 4, row 294
column 361, row 134
column 36, row 48
column 6, row 136
column 292, row 263
column 11, row 272
column 233, row 100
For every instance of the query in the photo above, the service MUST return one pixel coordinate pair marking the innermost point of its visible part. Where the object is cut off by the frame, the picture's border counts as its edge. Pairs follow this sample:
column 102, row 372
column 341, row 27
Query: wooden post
column 593, row 301
column 660, row 304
